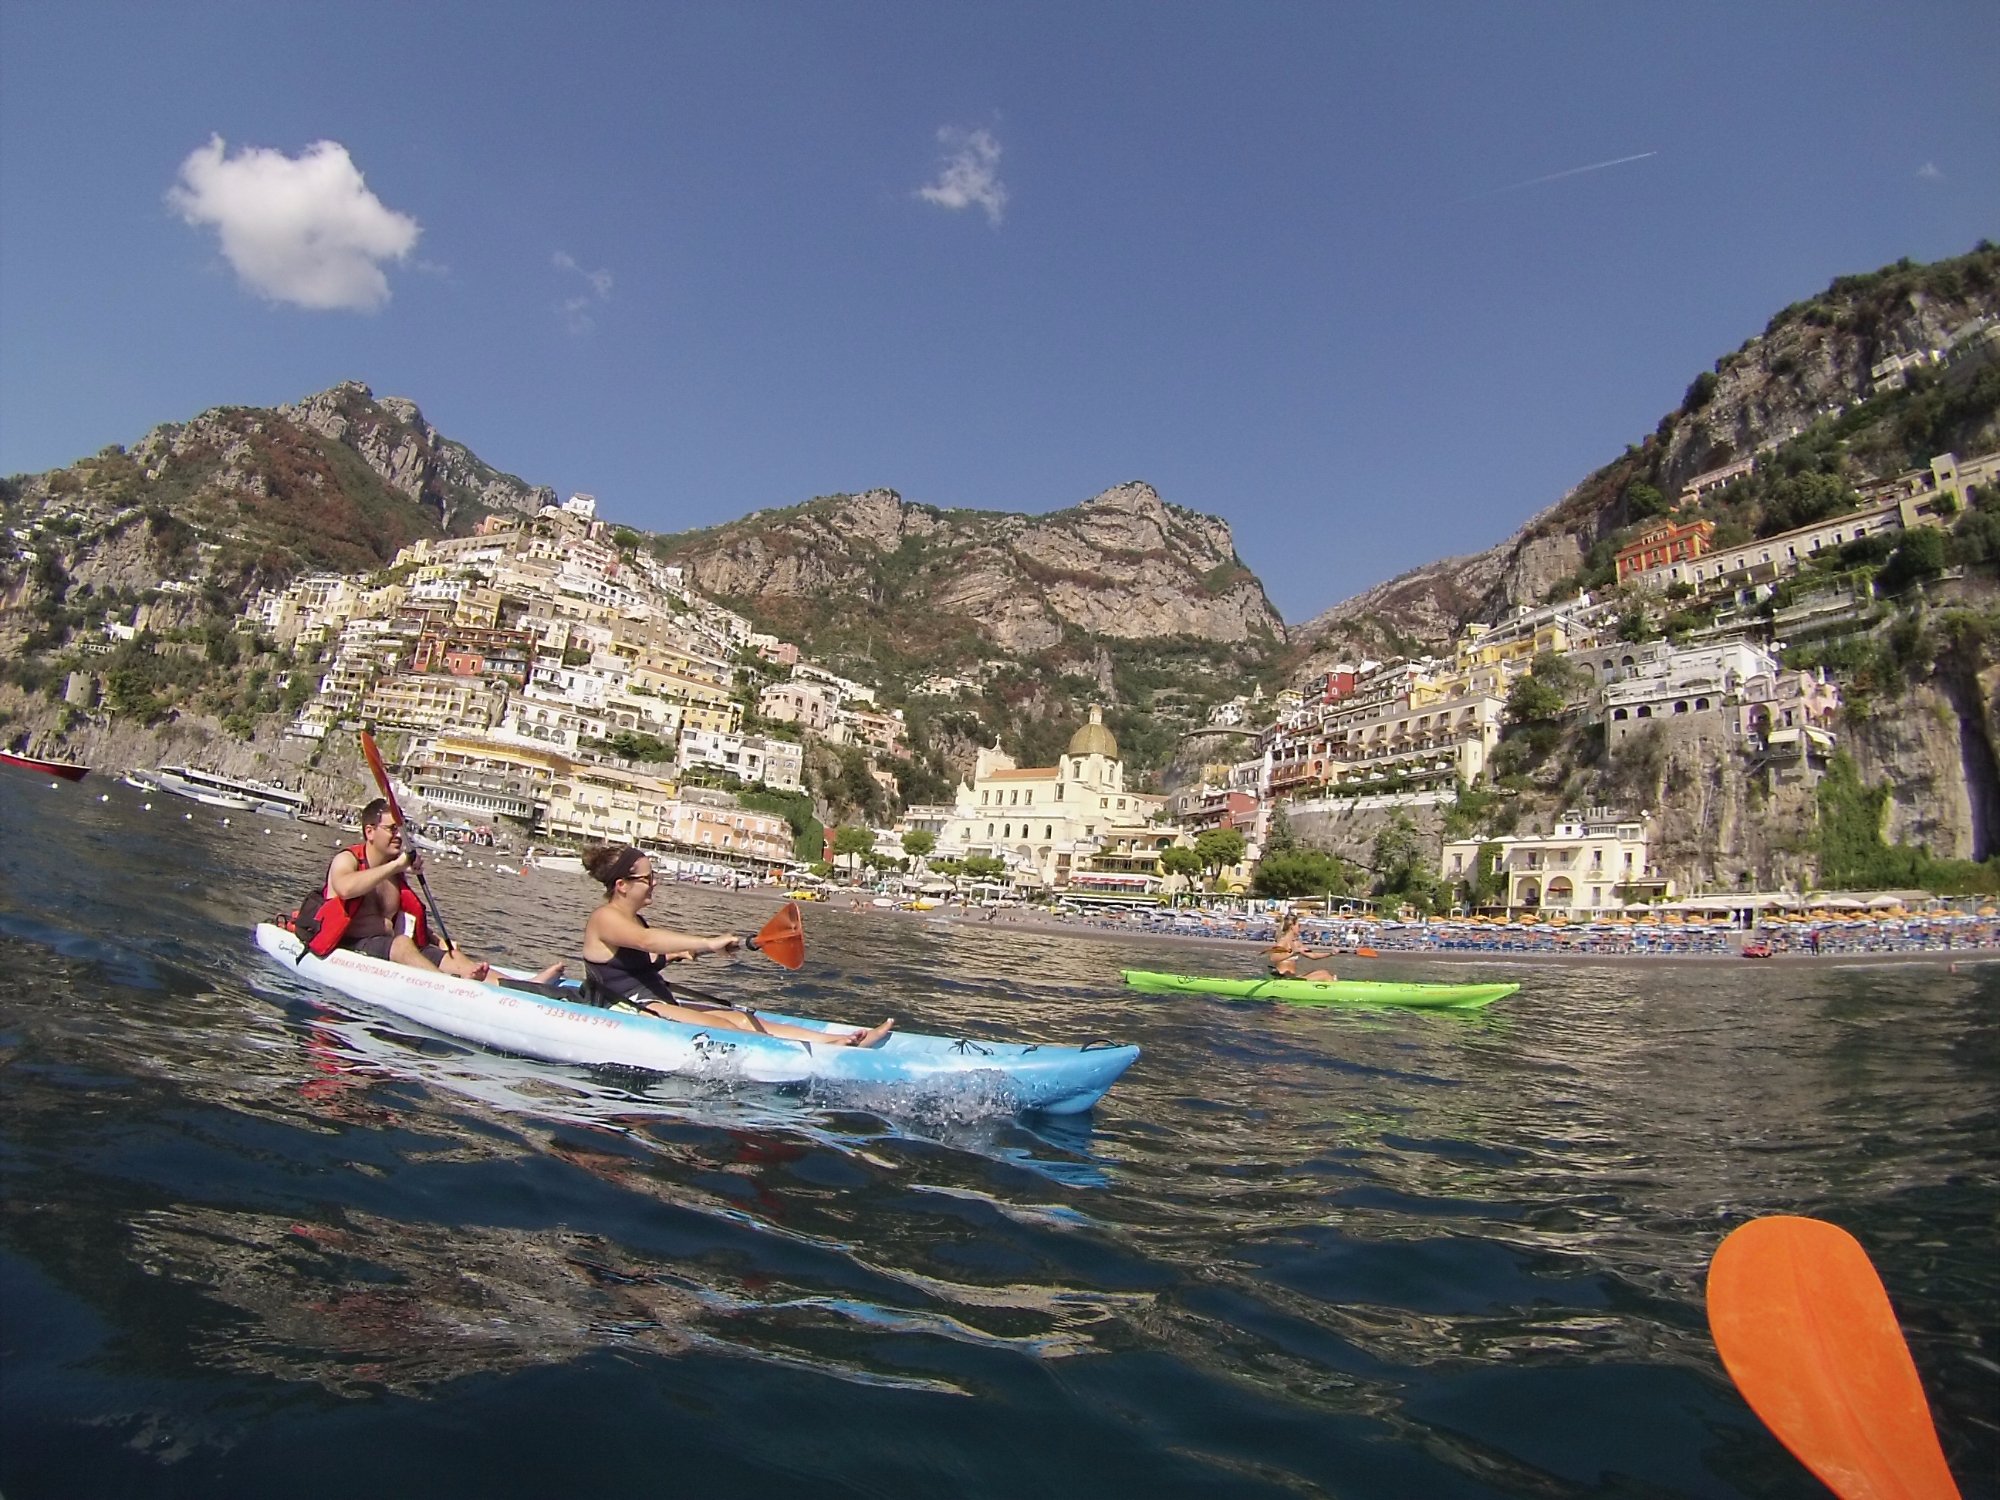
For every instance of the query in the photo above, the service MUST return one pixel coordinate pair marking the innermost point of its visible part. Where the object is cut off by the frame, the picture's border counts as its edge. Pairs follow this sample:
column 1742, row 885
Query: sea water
column 256, row 1240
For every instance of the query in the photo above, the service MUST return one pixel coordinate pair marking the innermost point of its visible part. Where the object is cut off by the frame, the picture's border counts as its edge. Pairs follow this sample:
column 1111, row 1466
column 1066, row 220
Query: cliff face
column 1123, row 566
column 339, row 481
column 411, row 457
column 1811, row 365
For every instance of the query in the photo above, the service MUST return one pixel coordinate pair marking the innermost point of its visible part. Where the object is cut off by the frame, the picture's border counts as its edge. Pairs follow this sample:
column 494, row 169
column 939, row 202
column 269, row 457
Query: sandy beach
column 1357, row 966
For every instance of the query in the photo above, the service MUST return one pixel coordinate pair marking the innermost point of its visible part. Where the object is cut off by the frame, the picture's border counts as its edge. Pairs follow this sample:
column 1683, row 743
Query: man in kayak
column 1288, row 948
column 623, row 956
column 370, row 907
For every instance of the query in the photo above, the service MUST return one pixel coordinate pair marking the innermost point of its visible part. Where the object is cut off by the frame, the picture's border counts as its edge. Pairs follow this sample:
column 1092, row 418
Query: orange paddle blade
column 783, row 938
column 381, row 773
column 1806, row 1332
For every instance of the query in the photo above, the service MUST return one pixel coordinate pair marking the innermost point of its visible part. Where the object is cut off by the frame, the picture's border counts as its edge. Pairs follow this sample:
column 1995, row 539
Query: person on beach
column 1287, row 948
column 623, row 957
column 368, row 905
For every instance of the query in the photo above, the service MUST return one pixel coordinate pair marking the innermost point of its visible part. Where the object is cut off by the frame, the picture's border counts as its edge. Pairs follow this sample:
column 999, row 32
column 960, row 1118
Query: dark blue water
column 254, row 1244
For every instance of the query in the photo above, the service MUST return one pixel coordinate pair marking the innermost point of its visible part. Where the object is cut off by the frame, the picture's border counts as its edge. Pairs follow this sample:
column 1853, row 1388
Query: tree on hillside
column 1279, row 838
column 1543, row 693
column 1642, row 501
column 1219, row 848
column 851, row 843
column 1301, row 872
column 1922, row 553
column 1402, row 865
column 1180, row 860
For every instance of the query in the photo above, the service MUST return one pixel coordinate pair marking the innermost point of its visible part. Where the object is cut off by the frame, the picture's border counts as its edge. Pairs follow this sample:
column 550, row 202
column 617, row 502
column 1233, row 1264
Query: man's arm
column 349, row 878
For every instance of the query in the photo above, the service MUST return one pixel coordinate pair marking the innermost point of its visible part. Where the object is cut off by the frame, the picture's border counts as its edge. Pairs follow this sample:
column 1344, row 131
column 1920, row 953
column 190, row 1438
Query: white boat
column 227, row 791
column 567, row 864
column 996, row 1076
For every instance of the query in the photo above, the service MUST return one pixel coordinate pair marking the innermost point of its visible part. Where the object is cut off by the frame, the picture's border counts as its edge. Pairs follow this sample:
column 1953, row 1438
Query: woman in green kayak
column 1288, row 948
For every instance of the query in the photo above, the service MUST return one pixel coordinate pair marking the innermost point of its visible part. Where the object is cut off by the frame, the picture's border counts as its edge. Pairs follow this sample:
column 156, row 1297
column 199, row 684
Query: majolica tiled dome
column 1094, row 738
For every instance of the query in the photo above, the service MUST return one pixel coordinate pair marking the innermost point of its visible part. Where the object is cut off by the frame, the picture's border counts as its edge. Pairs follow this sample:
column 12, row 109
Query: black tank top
column 629, row 974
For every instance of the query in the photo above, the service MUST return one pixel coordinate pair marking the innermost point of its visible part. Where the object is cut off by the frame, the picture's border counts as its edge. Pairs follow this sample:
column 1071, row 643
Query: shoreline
column 1036, row 923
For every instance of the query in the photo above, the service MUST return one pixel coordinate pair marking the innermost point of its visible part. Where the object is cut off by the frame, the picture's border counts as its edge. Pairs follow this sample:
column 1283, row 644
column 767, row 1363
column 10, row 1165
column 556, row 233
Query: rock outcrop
column 1123, row 565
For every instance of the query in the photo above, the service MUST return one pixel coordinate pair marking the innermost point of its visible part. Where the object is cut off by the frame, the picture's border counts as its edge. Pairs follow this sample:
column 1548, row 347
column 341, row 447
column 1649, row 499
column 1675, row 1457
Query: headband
column 621, row 867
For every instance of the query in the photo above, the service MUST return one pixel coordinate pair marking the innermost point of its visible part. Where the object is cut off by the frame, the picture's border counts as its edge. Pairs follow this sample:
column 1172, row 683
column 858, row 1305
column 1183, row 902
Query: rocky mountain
column 340, row 481
column 1803, row 387
column 931, row 584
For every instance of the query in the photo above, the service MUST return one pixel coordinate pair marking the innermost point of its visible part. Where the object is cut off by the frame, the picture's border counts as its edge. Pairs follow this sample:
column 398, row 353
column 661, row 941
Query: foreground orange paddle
column 783, row 938
column 1806, row 1332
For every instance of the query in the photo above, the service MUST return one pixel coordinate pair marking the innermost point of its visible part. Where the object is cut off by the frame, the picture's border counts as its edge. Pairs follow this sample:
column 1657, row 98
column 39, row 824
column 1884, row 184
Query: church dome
column 1094, row 738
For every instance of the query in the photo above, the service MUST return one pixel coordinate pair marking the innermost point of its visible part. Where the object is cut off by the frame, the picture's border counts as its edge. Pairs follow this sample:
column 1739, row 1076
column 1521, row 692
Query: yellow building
column 433, row 701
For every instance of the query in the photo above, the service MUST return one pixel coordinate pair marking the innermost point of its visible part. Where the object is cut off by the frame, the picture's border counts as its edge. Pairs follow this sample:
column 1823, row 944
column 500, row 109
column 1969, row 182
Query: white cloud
column 576, row 311
column 1931, row 172
column 303, row 230
column 970, row 177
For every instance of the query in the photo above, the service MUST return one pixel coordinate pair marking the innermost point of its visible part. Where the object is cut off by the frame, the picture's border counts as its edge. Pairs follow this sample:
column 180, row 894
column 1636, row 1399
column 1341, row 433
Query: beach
column 1972, row 941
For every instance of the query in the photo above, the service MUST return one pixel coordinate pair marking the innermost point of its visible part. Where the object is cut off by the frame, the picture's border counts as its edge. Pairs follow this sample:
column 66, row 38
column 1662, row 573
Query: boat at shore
column 554, row 859
column 216, row 790
column 1361, row 992
column 559, row 1027
column 68, row 770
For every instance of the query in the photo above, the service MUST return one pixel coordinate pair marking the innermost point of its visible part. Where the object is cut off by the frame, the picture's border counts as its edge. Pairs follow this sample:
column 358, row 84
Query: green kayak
column 1321, row 992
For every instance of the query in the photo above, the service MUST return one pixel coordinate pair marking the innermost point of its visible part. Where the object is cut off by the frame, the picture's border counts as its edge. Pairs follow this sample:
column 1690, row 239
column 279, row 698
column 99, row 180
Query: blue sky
column 1374, row 283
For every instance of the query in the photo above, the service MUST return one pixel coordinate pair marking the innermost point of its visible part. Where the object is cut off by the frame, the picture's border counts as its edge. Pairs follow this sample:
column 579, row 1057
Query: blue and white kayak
column 1058, row 1080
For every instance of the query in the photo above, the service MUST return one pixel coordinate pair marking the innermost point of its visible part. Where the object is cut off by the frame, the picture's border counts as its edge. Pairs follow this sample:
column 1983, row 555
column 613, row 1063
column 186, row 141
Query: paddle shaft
column 381, row 775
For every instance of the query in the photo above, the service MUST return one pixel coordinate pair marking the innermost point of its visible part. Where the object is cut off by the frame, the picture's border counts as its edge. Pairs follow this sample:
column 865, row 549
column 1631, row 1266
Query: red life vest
column 334, row 914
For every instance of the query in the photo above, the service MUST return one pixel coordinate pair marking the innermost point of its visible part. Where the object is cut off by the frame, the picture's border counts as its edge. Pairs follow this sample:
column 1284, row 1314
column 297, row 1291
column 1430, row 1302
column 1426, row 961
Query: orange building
column 1663, row 544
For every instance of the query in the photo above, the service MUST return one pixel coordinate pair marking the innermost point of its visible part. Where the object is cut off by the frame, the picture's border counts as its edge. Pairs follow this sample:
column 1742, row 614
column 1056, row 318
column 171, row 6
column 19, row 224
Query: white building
column 750, row 758
column 1592, row 863
column 1047, row 822
column 801, row 703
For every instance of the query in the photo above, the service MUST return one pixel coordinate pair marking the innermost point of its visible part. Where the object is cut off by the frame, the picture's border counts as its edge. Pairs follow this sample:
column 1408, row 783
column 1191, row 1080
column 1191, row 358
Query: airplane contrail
column 1596, row 166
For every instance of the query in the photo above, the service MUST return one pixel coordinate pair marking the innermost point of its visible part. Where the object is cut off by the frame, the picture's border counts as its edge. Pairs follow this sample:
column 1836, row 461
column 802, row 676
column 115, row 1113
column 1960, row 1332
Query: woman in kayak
column 1288, row 948
column 623, row 957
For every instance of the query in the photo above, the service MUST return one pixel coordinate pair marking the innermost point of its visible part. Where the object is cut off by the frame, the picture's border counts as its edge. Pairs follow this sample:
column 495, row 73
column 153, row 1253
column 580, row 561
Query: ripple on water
column 266, row 1239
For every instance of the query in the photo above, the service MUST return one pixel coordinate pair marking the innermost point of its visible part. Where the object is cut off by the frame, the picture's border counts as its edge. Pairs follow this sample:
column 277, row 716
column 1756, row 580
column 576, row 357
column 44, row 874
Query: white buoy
column 104, row 796
column 188, row 816
column 225, row 822
column 149, row 807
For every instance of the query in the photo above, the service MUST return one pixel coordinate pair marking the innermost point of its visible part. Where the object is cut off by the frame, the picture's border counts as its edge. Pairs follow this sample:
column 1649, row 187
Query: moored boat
column 68, row 770
column 1050, row 1078
column 1360, row 992
column 240, row 794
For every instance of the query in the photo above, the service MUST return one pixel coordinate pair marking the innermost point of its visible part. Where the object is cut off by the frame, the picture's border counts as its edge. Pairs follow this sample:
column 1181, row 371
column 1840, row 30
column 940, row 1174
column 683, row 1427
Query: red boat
column 68, row 770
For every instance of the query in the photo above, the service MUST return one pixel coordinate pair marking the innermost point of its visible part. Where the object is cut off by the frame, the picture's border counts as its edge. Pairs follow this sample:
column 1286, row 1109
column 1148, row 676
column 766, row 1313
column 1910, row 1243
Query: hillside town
column 557, row 681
